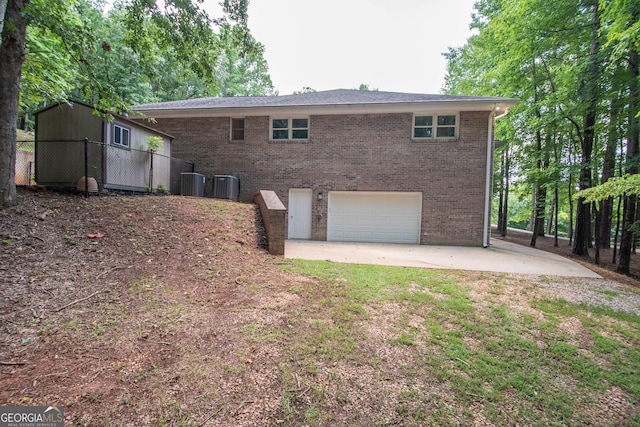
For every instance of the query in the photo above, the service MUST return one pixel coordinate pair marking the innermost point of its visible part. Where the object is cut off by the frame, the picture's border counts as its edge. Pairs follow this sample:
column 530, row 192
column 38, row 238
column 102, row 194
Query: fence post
column 30, row 169
column 86, row 167
column 151, row 173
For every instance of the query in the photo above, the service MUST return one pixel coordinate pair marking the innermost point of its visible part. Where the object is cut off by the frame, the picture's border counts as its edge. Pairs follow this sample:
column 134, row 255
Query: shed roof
column 121, row 118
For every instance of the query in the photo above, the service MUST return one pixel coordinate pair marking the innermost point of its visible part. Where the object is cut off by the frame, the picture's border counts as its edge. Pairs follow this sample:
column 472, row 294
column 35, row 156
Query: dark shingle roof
column 324, row 98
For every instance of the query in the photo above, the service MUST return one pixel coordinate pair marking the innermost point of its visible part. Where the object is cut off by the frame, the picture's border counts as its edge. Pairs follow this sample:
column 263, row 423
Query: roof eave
column 488, row 105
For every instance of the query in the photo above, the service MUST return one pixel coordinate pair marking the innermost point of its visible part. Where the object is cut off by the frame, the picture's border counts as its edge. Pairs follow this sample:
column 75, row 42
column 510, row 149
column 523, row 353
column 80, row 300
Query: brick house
column 350, row 165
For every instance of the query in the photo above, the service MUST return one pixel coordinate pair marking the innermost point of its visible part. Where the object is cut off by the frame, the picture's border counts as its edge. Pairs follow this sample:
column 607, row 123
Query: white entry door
column 300, row 213
column 385, row 217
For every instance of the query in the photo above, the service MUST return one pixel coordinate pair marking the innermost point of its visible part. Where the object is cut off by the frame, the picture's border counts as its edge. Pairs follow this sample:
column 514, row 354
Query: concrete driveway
column 500, row 256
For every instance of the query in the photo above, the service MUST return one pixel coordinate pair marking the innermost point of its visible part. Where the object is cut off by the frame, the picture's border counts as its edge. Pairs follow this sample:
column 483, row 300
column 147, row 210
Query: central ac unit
column 226, row 187
column 192, row 184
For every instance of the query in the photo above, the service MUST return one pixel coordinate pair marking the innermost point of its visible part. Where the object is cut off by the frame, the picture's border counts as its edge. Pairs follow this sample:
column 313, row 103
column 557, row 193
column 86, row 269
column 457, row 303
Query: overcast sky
column 391, row 45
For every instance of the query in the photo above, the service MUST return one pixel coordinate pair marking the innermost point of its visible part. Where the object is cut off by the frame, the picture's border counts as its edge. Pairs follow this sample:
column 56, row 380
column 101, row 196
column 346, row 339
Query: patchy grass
column 519, row 366
column 190, row 323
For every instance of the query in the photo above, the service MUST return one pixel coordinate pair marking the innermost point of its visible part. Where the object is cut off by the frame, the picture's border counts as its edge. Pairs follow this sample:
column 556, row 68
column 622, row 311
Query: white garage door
column 359, row 216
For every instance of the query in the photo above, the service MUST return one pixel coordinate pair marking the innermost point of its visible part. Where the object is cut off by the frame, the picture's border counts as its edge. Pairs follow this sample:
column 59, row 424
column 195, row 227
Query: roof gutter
column 257, row 110
column 487, row 192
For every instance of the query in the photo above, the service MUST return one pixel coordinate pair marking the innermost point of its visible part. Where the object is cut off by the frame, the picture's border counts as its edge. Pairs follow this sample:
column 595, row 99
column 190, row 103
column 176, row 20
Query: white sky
column 391, row 45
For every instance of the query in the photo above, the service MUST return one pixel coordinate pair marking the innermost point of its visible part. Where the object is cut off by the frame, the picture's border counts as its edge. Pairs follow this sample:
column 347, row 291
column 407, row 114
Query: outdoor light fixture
column 320, row 195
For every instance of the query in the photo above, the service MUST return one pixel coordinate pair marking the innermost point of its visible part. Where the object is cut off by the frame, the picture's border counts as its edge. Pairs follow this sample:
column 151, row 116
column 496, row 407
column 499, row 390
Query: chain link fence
column 24, row 162
column 63, row 164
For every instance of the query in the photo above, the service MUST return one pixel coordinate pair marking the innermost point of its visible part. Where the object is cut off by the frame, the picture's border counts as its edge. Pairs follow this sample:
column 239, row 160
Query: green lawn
column 507, row 354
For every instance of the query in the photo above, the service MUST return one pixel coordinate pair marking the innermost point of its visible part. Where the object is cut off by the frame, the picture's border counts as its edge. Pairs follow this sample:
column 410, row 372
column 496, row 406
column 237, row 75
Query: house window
column 237, row 129
column 446, row 127
column 290, row 129
column 423, row 127
column 426, row 127
column 121, row 136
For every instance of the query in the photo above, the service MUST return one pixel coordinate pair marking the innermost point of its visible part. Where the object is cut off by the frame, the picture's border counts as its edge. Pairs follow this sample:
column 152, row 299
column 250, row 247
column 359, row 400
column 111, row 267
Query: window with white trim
column 434, row 126
column 289, row 129
column 237, row 129
column 121, row 135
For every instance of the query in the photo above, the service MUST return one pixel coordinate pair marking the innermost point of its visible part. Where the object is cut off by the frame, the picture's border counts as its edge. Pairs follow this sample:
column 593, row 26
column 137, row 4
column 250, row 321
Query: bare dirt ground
column 133, row 258
column 144, row 310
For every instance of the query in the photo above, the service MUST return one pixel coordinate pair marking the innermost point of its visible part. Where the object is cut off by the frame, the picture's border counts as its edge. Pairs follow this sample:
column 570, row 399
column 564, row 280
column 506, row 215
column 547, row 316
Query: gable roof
column 339, row 101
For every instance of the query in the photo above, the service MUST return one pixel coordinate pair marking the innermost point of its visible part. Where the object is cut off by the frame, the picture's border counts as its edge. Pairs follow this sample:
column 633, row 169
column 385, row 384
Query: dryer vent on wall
column 226, row 187
column 192, row 184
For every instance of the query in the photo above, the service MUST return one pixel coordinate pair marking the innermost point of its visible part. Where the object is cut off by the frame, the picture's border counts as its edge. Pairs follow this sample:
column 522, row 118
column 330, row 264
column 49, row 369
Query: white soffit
column 440, row 107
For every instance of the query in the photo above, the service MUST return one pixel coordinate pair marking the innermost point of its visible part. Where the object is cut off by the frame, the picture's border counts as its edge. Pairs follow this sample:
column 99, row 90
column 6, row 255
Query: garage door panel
column 374, row 217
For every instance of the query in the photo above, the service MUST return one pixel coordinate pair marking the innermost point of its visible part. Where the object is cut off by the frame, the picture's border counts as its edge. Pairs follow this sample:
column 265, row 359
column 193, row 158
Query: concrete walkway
column 501, row 256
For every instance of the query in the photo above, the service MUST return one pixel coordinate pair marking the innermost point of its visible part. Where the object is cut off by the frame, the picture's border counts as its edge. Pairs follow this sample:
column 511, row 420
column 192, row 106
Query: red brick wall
column 274, row 216
column 372, row 152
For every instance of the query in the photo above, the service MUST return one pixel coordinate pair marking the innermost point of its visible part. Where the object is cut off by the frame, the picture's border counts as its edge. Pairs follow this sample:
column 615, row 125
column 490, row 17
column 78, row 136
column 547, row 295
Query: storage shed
column 117, row 150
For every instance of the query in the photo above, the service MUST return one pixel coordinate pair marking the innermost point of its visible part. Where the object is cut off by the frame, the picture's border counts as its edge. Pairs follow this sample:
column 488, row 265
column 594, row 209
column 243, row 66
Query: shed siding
column 130, row 168
column 60, row 131
column 64, row 123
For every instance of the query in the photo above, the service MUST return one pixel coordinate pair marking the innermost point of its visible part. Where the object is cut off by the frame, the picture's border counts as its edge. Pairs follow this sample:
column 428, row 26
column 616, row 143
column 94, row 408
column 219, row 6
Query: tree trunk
column 570, row 198
column 501, row 194
column 556, row 195
column 626, row 241
column 542, row 189
column 3, row 8
column 552, row 211
column 597, row 231
column 635, row 233
column 555, row 222
column 539, row 192
column 532, row 216
column 615, row 238
column 539, row 210
column 583, row 210
column 541, row 207
column 582, row 237
column 606, row 211
column 505, row 210
column 150, row 171
column 608, row 168
column 11, row 58
column 24, row 121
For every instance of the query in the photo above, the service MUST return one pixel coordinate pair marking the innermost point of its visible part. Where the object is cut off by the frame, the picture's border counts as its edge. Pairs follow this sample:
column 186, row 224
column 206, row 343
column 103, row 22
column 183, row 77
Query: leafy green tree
column 243, row 72
column 366, row 86
column 240, row 69
column 305, row 89
column 115, row 64
column 574, row 65
column 623, row 37
column 517, row 52
column 177, row 30
column 619, row 186
column 48, row 72
column 590, row 100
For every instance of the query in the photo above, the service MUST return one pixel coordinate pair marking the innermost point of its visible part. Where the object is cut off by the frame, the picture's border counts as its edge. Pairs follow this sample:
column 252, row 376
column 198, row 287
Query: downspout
column 487, row 194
